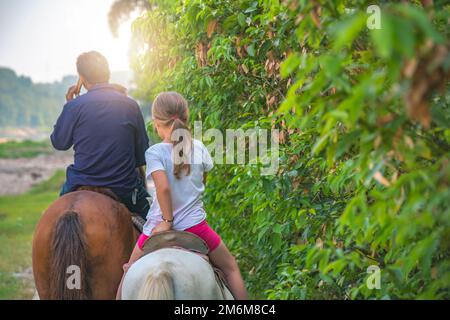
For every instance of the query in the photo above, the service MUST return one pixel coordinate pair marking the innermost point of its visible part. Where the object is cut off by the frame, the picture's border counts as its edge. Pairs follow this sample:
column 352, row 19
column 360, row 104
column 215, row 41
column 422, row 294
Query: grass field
column 24, row 149
column 18, row 218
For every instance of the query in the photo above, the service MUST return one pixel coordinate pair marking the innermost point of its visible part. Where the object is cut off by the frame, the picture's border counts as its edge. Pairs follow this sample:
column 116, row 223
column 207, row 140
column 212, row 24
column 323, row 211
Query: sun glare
column 117, row 49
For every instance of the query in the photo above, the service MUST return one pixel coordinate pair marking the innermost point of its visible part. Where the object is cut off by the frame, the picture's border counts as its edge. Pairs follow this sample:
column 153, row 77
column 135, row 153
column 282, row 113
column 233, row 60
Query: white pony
column 168, row 274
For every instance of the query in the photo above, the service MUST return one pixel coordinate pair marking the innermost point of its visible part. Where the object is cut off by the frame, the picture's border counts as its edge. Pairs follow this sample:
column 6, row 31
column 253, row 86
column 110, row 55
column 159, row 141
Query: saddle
column 179, row 239
column 185, row 241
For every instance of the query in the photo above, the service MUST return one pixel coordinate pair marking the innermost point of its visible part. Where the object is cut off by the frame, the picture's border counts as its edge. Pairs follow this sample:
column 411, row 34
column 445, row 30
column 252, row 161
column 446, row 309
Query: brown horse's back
column 86, row 229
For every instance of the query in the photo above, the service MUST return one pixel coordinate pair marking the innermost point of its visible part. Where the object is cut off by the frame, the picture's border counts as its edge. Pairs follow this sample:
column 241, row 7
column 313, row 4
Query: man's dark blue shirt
column 107, row 131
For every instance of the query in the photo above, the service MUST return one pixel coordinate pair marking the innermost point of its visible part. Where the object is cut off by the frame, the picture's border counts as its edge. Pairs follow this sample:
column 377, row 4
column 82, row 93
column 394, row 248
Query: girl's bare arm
column 163, row 193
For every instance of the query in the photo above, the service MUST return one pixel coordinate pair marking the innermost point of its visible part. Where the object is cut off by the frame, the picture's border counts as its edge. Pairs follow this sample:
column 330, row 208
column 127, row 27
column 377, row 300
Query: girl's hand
column 126, row 266
column 162, row 226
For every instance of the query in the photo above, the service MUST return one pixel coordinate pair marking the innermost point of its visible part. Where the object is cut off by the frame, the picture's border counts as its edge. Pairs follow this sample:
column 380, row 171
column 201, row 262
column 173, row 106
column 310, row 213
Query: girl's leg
column 135, row 255
column 222, row 259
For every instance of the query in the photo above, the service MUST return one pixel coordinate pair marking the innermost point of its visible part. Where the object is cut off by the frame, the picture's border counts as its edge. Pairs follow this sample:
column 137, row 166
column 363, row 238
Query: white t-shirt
column 186, row 192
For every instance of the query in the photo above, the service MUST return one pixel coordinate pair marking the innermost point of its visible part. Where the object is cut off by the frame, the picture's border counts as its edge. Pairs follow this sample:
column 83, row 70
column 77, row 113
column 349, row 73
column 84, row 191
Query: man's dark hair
column 93, row 66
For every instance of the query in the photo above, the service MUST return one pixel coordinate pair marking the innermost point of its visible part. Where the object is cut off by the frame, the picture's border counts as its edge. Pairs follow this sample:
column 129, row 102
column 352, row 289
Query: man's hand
column 72, row 92
column 162, row 226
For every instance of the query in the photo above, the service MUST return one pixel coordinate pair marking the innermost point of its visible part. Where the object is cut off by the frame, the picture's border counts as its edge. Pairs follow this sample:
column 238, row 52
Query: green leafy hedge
column 365, row 139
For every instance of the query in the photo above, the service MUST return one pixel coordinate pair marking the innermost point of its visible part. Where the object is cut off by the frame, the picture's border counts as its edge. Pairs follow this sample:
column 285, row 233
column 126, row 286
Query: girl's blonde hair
column 170, row 109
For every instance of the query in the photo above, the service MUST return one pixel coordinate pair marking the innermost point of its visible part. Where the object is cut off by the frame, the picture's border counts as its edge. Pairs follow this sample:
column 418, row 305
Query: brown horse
column 88, row 230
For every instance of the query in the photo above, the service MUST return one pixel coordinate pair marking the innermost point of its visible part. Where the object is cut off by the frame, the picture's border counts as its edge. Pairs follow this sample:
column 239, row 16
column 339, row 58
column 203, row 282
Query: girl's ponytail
column 182, row 145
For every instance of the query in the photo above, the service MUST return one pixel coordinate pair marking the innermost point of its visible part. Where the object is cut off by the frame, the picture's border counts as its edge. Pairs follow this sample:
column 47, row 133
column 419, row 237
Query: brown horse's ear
column 119, row 88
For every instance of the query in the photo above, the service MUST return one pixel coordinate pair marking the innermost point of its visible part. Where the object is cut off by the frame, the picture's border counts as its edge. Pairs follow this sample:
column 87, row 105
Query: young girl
column 178, row 167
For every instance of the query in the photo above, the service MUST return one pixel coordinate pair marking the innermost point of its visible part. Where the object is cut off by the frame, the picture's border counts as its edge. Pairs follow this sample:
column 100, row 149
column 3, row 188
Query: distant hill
column 27, row 104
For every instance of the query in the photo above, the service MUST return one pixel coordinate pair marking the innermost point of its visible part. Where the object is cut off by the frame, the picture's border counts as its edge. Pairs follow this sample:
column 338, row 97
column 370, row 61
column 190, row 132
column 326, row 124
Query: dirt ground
column 19, row 175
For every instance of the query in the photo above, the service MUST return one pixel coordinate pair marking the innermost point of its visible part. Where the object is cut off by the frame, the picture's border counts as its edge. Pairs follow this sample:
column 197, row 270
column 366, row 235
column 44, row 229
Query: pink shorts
column 203, row 230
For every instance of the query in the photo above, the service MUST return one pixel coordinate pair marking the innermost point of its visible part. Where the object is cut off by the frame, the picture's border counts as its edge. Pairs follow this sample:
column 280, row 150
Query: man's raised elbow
column 58, row 146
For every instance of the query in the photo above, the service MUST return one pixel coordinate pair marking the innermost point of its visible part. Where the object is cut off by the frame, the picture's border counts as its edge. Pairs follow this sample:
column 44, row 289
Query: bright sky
column 42, row 38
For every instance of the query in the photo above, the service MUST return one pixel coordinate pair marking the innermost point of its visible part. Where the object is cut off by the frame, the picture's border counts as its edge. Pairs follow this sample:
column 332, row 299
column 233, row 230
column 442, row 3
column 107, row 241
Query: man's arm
column 62, row 135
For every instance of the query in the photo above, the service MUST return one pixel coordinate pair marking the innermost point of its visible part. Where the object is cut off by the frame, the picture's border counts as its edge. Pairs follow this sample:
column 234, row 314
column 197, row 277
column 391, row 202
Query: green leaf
column 241, row 20
column 290, row 65
column 346, row 31
column 320, row 144
column 383, row 38
column 251, row 50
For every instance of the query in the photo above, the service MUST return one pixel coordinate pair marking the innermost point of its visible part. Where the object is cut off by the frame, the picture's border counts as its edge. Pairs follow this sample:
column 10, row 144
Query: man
column 108, row 133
